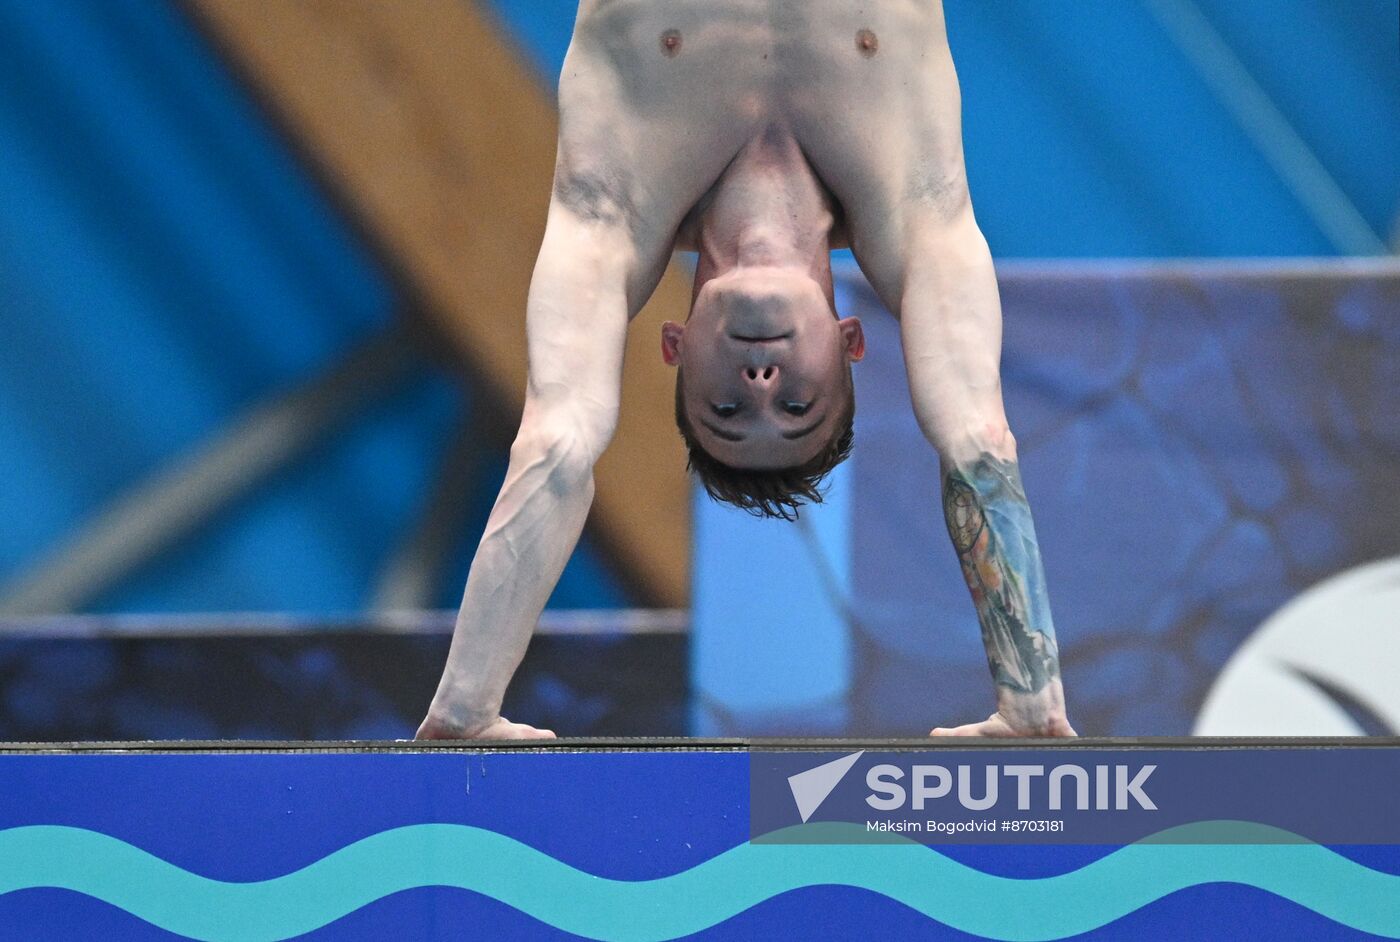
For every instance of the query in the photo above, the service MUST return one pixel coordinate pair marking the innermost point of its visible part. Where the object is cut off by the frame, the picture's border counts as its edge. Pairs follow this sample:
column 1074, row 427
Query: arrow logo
column 810, row 788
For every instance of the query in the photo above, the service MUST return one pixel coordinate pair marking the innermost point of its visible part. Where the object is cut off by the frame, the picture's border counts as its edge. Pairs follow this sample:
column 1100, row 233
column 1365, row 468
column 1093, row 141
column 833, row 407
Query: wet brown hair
column 771, row 492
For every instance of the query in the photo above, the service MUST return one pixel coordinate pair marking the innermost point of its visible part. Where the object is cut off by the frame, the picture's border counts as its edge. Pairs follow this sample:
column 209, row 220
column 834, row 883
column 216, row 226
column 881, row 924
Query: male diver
column 760, row 134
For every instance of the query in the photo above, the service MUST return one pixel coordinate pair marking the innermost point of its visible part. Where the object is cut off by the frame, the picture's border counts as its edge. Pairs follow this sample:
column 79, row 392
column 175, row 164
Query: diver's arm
column 950, row 323
column 576, row 323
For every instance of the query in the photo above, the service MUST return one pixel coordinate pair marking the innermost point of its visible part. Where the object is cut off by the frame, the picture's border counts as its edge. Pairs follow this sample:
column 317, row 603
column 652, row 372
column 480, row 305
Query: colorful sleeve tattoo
column 990, row 523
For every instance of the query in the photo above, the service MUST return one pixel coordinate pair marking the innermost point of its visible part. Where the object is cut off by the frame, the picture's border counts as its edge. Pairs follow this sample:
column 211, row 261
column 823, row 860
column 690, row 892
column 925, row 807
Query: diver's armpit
column 595, row 195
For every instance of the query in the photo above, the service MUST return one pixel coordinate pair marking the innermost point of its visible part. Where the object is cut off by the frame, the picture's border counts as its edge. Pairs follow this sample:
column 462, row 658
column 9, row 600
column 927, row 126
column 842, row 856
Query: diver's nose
column 762, row 376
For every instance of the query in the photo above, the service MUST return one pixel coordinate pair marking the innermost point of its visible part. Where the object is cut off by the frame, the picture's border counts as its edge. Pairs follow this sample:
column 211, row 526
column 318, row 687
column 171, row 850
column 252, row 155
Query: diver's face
column 765, row 366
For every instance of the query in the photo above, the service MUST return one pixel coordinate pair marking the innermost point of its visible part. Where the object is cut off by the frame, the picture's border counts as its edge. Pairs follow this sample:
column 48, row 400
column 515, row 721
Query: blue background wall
column 166, row 263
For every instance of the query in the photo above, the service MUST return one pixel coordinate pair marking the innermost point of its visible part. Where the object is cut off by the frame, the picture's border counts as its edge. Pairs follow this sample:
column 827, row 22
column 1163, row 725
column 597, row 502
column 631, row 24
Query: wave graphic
column 575, row 901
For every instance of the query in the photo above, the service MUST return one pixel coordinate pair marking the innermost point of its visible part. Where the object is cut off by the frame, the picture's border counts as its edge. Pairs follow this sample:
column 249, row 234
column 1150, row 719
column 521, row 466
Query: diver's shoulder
column 591, row 12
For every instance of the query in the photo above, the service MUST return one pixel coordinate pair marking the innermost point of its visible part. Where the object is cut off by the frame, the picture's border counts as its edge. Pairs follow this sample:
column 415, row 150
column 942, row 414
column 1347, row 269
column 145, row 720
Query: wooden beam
column 442, row 143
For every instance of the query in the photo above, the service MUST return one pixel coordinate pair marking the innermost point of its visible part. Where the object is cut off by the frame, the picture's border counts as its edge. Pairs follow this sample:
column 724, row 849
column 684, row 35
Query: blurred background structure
column 262, row 280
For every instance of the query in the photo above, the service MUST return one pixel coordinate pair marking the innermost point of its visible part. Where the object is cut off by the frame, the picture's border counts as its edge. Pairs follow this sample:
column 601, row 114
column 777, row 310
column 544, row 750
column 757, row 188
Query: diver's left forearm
column 989, row 521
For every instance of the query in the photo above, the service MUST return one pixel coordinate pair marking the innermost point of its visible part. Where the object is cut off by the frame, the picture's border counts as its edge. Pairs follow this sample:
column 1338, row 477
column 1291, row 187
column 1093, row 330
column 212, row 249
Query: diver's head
column 764, row 396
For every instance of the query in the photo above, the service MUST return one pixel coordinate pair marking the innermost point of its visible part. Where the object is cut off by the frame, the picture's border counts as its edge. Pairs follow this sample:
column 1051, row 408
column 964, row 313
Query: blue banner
column 634, row 843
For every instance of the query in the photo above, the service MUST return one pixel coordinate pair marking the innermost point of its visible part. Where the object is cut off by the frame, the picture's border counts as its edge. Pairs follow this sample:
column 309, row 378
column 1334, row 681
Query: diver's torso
column 679, row 90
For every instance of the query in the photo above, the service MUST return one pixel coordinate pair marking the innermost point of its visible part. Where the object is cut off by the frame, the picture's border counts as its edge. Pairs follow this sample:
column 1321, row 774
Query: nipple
column 671, row 43
column 867, row 42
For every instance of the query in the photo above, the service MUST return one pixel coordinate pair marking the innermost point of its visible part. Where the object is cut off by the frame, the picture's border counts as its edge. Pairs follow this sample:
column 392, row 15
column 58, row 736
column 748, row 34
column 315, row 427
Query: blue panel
column 770, row 646
column 600, row 843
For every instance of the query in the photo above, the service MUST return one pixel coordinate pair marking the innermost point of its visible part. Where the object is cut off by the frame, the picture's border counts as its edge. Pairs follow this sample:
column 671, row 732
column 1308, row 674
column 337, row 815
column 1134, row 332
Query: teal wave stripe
column 553, row 892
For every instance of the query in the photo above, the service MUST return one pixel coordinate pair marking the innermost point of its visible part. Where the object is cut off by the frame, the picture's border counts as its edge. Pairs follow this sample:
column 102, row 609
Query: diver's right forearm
column 531, row 533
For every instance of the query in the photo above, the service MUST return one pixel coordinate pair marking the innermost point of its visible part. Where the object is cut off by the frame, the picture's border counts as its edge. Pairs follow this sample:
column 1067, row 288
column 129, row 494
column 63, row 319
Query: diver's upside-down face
column 765, row 362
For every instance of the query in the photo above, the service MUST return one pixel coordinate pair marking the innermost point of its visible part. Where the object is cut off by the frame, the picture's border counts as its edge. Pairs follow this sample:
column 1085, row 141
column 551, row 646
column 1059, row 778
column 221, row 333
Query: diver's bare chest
column 759, row 59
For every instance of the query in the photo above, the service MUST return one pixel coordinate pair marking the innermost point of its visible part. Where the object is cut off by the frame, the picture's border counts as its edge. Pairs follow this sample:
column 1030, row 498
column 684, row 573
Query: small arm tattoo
column 989, row 521
column 593, row 195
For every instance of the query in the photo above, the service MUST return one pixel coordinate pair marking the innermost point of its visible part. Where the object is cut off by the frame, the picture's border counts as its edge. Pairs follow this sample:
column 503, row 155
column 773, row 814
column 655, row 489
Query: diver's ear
column 852, row 337
column 671, row 342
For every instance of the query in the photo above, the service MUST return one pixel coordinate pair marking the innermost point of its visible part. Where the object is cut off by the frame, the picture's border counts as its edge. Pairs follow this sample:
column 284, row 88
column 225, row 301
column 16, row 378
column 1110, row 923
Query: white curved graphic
column 1326, row 664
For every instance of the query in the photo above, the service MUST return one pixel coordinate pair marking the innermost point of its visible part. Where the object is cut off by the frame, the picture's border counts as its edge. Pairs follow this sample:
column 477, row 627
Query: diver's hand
column 1040, row 714
column 435, row 727
column 999, row 725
